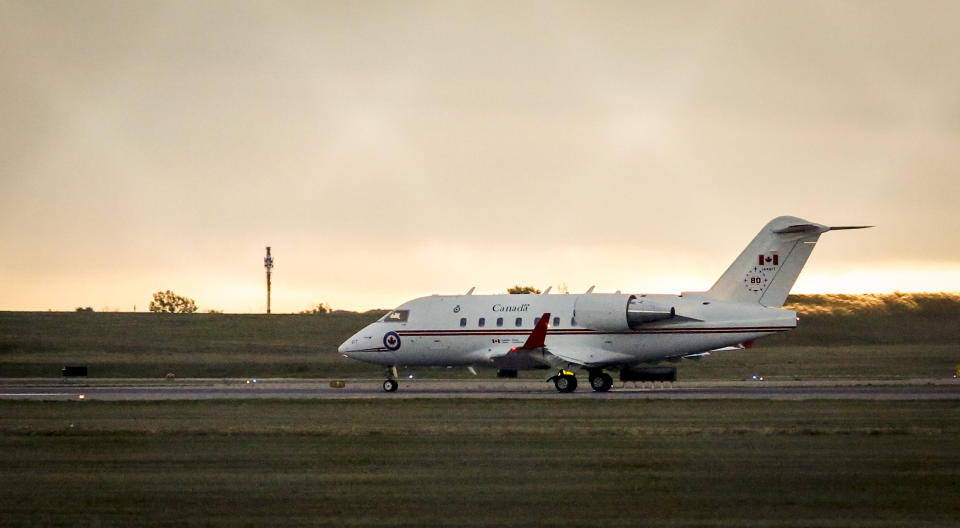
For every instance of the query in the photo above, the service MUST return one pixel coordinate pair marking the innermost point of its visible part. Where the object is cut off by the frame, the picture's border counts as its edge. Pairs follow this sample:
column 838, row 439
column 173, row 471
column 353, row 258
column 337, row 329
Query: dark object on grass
column 649, row 374
column 77, row 370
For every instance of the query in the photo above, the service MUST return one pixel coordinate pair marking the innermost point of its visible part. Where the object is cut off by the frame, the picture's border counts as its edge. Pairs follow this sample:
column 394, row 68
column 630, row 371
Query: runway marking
column 21, row 394
column 919, row 389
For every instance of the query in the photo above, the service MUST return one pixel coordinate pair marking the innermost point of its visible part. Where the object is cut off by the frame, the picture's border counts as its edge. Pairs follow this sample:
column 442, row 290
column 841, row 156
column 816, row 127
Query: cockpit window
column 396, row 316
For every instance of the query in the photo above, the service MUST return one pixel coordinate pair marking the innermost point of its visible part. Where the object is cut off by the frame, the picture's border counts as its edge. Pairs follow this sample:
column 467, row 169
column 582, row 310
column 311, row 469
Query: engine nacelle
column 644, row 310
column 603, row 311
column 617, row 312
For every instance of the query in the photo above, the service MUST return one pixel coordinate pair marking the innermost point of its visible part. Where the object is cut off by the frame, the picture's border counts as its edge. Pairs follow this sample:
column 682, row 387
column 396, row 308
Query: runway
column 324, row 389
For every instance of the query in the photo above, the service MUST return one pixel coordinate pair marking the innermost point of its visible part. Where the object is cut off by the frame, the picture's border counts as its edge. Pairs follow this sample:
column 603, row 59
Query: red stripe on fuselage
column 587, row 331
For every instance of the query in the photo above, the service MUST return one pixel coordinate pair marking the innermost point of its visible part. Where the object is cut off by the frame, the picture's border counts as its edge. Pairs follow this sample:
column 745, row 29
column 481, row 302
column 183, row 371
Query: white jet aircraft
column 597, row 331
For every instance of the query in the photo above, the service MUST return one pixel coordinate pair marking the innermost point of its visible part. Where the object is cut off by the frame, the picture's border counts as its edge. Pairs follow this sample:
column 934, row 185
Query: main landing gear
column 566, row 381
column 600, row 381
column 391, row 384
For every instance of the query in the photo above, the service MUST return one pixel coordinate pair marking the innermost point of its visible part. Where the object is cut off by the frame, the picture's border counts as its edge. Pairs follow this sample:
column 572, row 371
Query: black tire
column 601, row 382
column 390, row 385
column 608, row 380
column 565, row 383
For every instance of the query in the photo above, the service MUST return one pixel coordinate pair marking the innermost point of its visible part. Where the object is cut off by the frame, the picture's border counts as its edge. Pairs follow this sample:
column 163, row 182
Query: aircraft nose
column 347, row 345
column 352, row 344
column 367, row 345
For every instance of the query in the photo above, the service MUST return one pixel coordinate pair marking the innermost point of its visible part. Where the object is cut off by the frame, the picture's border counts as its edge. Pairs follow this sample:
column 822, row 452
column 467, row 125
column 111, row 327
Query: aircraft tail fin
column 766, row 270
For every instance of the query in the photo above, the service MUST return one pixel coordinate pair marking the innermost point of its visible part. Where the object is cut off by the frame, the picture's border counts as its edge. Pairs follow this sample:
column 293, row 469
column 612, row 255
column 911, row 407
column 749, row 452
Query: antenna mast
column 268, row 263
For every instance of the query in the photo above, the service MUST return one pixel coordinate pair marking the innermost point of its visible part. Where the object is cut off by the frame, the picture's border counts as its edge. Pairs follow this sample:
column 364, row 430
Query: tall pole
column 268, row 263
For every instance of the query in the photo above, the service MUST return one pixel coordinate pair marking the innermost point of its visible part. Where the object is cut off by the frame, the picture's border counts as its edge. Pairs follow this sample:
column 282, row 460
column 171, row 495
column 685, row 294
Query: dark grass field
column 476, row 463
column 840, row 336
column 145, row 345
column 480, row 463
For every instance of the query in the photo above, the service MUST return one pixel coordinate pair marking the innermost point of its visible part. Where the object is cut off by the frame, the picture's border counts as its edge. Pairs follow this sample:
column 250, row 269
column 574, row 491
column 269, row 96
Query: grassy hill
column 187, row 345
column 895, row 335
column 873, row 319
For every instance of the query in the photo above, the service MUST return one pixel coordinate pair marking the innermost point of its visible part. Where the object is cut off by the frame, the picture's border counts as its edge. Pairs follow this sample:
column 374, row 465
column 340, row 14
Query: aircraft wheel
column 565, row 383
column 601, row 382
column 390, row 385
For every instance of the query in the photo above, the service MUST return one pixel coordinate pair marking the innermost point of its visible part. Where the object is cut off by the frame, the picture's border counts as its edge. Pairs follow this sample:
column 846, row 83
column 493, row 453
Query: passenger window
column 463, row 322
column 556, row 321
column 499, row 321
column 482, row 322
column 536, row 321
column 519, row 321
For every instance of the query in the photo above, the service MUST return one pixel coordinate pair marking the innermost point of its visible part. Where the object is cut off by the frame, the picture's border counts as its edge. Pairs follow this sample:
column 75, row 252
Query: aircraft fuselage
column 598, row 331
column 483, row 330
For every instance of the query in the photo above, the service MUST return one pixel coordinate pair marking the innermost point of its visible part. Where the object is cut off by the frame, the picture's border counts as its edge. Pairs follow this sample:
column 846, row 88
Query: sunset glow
column 391, row 150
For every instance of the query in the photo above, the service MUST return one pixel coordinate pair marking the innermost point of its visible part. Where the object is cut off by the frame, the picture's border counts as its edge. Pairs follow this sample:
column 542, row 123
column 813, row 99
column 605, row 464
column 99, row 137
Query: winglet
column 539, row 334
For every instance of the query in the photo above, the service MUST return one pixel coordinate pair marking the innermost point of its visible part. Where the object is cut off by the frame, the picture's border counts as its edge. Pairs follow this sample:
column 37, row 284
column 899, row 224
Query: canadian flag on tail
column 771, row 259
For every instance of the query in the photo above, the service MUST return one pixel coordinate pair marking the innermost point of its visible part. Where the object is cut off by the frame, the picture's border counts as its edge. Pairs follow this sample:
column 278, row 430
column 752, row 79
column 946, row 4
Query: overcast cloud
column 393, row 149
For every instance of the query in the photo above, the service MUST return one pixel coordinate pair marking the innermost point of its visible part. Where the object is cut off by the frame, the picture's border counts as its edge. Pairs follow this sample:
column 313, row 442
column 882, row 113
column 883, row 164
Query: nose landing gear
column 391, row 384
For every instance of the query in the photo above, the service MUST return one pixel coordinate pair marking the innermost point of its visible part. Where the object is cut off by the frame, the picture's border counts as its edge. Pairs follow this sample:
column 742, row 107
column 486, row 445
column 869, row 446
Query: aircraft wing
column 560, row 356
column 701, row 355
column 740, row 346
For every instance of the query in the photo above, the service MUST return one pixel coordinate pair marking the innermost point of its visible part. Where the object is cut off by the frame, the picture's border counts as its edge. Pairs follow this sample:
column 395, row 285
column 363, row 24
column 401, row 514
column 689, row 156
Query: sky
column 387, row 150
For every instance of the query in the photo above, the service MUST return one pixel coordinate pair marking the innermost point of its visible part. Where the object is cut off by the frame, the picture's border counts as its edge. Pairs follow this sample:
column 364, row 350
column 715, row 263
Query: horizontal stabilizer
column 841, row 228
column 813, row 229
column 802, row 228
